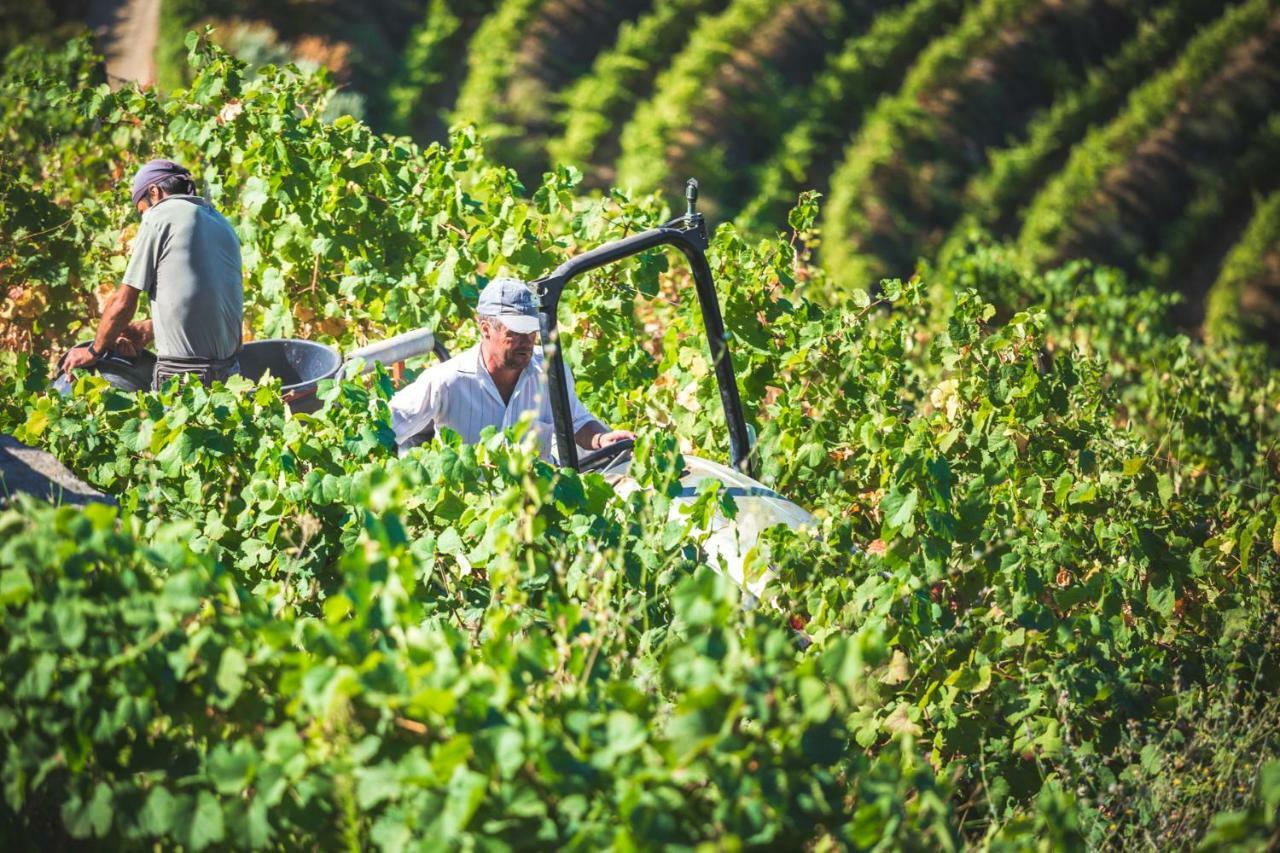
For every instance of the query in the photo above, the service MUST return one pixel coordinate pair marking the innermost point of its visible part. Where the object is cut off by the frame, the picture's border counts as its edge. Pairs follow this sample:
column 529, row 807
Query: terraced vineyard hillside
column 1143, row 134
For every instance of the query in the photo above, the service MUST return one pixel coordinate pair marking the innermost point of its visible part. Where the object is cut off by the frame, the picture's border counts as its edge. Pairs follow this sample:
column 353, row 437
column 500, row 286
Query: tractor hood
column 729, row 541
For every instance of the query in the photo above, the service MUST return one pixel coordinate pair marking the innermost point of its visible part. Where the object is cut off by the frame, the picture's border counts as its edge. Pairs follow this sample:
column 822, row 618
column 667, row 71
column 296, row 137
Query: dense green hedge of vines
column 1041, row 584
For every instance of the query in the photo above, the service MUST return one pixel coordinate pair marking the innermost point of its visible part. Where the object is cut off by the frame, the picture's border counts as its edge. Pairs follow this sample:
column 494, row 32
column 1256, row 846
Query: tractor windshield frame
column 687, row 233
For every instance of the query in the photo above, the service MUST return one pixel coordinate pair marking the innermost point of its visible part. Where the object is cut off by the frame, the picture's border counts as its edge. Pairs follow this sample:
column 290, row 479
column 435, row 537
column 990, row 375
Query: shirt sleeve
column 416, row 406
column 581, row 417
column 141, row 272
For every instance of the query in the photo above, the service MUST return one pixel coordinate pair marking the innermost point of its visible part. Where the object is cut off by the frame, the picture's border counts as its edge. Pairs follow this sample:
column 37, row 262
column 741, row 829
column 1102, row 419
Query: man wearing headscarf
column 186, row 258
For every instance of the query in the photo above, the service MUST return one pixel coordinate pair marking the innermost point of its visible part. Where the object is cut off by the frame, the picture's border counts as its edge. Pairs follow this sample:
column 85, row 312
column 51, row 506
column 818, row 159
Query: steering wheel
column 600, row 459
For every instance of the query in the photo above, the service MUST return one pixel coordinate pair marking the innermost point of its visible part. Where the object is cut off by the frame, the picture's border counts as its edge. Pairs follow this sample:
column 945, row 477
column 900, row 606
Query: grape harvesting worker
column 495, row 382
column 186, row 258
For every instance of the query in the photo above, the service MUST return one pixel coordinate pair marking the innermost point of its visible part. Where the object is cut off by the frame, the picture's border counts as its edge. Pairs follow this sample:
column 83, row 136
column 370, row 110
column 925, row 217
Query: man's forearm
column 115, row 318
column 587, row 435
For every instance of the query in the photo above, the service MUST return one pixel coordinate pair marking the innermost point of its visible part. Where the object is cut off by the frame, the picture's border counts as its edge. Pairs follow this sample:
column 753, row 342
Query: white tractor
column 759, row 507
column 727, row 541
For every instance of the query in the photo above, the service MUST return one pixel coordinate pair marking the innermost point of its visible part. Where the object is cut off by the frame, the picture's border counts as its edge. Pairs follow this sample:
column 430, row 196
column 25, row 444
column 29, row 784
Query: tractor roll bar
column 687, row 233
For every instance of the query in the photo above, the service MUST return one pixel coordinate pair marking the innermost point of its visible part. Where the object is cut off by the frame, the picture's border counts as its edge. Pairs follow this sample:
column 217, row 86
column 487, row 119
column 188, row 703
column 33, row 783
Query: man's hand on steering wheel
column 604, row 439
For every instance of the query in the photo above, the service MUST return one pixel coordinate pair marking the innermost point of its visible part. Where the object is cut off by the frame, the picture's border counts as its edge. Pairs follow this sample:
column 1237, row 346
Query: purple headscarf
column 153, row 173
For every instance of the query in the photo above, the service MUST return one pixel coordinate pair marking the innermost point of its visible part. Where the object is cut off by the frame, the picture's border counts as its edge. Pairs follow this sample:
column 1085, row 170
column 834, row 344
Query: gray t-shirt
column 187, row 259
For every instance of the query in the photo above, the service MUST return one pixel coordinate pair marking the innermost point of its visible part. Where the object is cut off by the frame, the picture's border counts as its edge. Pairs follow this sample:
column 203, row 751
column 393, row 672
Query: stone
column 27, row 470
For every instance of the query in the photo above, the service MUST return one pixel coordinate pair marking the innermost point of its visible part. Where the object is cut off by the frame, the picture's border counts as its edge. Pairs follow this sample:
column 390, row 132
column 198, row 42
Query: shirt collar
column 471, row 364
column 475, row 366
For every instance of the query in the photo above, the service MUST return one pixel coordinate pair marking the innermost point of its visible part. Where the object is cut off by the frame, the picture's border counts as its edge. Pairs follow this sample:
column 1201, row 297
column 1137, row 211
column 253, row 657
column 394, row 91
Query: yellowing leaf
column 896, row 671
column 900, row 723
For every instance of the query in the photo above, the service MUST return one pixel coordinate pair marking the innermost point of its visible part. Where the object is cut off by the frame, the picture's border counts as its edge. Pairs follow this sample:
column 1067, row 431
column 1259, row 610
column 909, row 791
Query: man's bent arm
column 594, row 435
column 415, row 406
column 586, row 436
column 120, row 309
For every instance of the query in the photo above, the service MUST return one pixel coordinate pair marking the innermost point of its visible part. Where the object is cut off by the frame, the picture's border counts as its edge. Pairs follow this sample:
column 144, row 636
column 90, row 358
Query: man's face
column 153, row 195
column 510, row 349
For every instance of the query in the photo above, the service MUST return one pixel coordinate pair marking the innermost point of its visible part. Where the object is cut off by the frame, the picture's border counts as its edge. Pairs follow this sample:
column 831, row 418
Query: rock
column 34, row 472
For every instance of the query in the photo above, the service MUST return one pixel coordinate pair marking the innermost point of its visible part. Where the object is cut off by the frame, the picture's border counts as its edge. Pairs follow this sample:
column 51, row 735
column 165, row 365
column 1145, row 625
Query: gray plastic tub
column 299, row 365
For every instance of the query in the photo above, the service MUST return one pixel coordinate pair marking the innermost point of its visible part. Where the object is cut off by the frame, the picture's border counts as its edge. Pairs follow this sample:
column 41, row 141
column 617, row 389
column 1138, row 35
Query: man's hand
column 78, row 357
column 604, row 439
column 595, row 435
column 125, row 346
column 114, row 324
column 134, row 337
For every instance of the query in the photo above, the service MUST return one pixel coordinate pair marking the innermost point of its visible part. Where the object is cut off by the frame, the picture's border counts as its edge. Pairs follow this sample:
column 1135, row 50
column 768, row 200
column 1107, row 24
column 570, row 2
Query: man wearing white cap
column 495, row 382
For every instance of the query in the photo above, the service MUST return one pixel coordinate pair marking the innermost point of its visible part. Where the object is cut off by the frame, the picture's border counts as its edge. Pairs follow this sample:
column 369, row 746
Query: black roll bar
column 687, row 233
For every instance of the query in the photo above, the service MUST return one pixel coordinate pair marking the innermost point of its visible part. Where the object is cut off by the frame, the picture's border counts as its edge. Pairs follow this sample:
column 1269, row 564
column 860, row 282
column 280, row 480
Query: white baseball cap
column 511, row 301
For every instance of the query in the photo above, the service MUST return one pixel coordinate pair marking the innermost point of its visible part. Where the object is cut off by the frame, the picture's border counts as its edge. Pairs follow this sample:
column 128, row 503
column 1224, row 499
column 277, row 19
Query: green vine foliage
column 1048, row 220
column 1223, row 319
column 343, row 232
column 596, row 104
column 994, row 196
column 653, row 125
column 896, row 117
column 848, row 85
column 1046, row 530
column 491, row 64
column 420, row 87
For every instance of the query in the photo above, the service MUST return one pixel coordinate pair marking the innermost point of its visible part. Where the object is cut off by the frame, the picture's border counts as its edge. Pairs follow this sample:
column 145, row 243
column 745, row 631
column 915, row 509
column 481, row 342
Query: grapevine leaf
column 898, row 507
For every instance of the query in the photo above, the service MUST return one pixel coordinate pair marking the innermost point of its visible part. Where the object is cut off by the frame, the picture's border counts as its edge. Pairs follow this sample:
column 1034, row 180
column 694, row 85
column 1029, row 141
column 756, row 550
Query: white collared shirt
column 460, row 394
